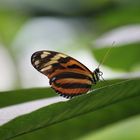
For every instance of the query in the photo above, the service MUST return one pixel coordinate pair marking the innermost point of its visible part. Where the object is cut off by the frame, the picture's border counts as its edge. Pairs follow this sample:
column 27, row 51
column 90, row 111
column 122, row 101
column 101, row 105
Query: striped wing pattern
column 68, row 77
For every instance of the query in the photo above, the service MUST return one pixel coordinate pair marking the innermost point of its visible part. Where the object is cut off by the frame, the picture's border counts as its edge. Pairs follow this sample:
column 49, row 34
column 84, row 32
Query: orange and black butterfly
column 67, row 76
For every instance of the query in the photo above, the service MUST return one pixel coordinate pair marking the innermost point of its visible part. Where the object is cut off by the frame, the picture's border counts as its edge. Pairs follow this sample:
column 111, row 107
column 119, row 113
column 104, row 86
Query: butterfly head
column 97, row 74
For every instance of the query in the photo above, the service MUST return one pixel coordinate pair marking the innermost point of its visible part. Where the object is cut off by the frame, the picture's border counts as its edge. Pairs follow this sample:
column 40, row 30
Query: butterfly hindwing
column 67, row 76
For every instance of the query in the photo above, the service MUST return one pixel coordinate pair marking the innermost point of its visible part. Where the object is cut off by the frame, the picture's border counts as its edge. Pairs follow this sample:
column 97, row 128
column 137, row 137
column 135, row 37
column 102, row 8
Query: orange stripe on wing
column 72, row 80
column 74, row 91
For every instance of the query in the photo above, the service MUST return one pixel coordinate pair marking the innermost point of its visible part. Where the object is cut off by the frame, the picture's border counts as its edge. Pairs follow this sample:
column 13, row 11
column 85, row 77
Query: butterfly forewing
column 67, row 76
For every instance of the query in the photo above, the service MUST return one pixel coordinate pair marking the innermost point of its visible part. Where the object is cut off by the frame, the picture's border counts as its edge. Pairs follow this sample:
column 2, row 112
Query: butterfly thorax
column 96, row 75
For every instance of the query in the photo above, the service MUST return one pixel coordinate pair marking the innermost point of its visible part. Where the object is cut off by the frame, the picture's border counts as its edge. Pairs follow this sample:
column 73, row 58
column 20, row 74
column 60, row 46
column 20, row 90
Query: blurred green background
column 83, row 29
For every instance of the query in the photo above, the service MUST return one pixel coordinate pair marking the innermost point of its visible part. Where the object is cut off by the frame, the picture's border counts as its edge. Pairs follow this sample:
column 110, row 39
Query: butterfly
column 67, row 76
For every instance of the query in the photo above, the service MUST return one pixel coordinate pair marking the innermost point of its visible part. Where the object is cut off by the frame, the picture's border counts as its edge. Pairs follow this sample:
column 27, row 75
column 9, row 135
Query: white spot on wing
column 37, row 62
column 46, row 68
column 50, row 62
column 58, row 56
column 46, row 53
column 43, row 55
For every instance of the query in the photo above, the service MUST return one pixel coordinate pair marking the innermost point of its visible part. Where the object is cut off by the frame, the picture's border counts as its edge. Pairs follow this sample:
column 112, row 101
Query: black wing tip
column 33, row 57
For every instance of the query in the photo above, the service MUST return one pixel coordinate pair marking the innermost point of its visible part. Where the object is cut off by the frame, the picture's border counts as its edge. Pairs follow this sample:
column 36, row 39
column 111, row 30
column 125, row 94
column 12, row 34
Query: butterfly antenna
column 105, row 80
column 105, row 56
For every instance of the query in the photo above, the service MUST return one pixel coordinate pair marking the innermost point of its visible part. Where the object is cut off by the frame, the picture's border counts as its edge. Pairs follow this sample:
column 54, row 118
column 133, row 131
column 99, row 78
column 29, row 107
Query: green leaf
column 10, row 23
column 124, row 57
column 116, row 17
column 125, row 130
column 63, row 7
column 59, row 112
column 85, row 124
column 24, row 95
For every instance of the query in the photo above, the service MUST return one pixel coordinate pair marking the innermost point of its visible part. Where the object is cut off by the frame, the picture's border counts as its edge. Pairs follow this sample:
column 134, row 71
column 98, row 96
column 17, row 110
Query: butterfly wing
column 67, row 76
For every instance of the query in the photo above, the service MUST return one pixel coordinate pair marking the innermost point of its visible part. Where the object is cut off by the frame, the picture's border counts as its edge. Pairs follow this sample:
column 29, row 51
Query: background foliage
column 111, row 111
